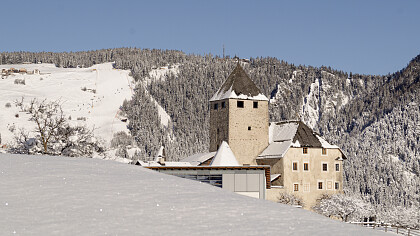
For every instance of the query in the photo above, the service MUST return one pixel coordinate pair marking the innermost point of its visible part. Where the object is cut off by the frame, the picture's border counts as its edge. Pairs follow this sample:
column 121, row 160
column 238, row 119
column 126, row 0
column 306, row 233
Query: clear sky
column 369, row 37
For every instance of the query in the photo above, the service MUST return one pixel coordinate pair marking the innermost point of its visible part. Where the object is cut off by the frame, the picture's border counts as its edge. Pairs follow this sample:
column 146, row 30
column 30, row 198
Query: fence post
column 408, row 229
column 397, row 229
column 386, row 228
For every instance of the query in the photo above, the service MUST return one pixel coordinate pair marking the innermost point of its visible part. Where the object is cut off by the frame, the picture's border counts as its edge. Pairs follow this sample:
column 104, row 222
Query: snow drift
column 44, row 195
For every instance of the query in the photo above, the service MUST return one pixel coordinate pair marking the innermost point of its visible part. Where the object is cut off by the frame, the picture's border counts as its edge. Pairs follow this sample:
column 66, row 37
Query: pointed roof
column 239, row 85
column 160, row 154
column 224, row 156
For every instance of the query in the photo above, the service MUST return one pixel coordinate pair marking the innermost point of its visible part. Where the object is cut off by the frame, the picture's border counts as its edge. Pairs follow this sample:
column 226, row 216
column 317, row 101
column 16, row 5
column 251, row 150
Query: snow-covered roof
column 275, row 150
column 282, row 132
column 147, row 163
column 274, row 177
column 224, row 156
column 177, row 163
column 286, row 134
column 238, row 85
column 199, row 158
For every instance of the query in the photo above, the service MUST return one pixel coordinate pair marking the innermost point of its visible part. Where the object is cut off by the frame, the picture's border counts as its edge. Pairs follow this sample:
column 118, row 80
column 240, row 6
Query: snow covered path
column 42, row 195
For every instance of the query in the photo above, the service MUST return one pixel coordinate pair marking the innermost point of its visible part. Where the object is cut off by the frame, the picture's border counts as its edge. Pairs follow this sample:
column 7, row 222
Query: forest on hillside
column 374, row 119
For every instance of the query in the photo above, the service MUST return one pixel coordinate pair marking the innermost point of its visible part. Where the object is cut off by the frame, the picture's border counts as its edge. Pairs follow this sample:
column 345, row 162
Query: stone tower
column 239, row 116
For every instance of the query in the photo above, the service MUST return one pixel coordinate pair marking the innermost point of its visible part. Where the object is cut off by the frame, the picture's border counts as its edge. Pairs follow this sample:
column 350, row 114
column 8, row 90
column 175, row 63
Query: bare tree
column 49, row 117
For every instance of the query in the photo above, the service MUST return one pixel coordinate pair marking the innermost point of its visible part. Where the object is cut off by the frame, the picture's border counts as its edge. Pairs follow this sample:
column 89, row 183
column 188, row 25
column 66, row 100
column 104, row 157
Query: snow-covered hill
column 89, row 96
column 43, row 195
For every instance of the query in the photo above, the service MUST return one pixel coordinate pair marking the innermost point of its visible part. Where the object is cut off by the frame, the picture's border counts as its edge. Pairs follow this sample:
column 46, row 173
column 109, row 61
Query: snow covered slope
column 42, row 195
column 89, row 96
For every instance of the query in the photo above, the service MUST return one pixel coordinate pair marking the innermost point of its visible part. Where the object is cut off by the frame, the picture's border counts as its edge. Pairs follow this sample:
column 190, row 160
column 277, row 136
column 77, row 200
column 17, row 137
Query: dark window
column 223, row 104
column 215, row 180
column 249, row 127
column 255, row 104
column 324, row 151
column 240, row 104
column 305, row 150
column 295, row 165
column 216, row 105
column 324, row 167
column 319, row 185
column 337, row 167
column 305, row 166
column 337, row 185
column 295, row 187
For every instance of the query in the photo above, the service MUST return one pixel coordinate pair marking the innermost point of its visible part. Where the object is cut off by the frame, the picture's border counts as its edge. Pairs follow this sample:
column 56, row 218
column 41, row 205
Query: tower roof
column 224, row 156
column 239, row 85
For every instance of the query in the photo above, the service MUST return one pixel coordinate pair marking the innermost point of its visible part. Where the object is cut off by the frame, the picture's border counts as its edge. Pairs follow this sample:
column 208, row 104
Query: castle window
column 240, row 104
column 319, row 185
column 216, row 105
column 324, row 151
column 329, row 185
column 337, row 167
column 295, row 166
column 337, row 186
column 295, row 187
column 305, row 150
column 306, row 187
column 306, row 166
column 255, row 104
column 324, row 167
column 249, row 127
column 223, row 104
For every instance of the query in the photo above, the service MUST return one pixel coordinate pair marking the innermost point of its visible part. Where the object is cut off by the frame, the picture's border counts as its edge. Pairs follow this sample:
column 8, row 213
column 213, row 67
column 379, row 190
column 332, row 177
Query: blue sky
column 368, row 37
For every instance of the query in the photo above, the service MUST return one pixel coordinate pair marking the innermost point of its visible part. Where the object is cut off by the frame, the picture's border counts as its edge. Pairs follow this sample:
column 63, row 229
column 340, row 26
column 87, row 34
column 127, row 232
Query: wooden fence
column 386, row 227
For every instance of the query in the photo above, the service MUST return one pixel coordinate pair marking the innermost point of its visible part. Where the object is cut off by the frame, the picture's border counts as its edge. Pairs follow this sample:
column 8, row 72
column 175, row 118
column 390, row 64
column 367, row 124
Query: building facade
column 302, row 163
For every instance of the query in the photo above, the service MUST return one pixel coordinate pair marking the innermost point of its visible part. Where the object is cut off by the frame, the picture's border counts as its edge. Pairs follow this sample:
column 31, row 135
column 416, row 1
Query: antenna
column 223, row 51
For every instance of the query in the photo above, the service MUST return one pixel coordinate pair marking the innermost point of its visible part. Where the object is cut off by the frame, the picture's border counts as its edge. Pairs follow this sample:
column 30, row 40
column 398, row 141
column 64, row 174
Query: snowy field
column 41, row 195
column 90, row 96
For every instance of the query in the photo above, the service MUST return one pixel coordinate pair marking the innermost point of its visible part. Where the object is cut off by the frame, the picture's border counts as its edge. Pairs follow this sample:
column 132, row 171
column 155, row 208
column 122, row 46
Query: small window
column 249, row 127
column 240, row 104
column 337, row 167
column 337, row 186
column 255, row 104
column 218, row 131
column 306, row 187
column 324, row 151
column 324, row 167
column 223, row 104
column 295, row 166
column 295, row 187
column 305, row 166
column 319, row 185
column 305, row 150
column 216, row 106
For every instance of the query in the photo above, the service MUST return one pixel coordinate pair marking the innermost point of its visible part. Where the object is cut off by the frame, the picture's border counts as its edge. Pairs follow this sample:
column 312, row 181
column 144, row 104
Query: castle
column 302, row 163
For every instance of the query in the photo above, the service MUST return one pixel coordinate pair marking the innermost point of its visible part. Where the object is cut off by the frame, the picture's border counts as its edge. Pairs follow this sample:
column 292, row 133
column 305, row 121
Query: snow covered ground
column 42, row 195
column 90, row 96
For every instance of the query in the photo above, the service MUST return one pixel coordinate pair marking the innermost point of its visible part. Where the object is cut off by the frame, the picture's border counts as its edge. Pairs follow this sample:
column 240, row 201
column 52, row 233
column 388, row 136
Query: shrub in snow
column 344, row 207
column 8, row 105
column 20, row 81
column 406, row 217
column 53, row 134
column 290, row 199
column 123, row 143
